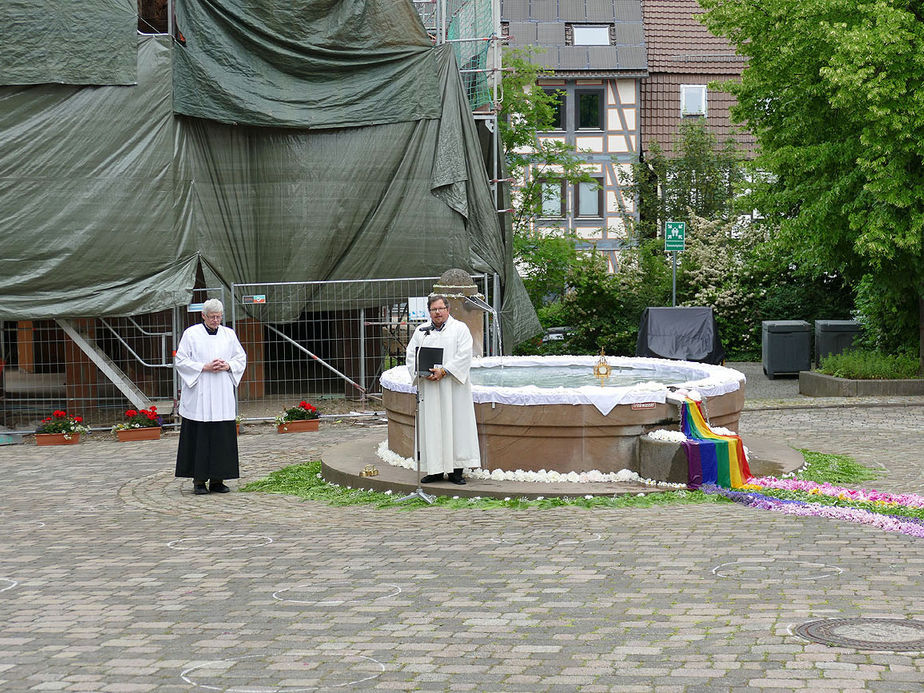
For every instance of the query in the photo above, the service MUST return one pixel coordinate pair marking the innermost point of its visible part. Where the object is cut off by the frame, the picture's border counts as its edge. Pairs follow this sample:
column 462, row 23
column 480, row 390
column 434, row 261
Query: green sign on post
column 674, row 232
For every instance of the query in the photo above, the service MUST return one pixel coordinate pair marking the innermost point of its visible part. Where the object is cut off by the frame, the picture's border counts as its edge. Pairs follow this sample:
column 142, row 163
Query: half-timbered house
column 595, row 51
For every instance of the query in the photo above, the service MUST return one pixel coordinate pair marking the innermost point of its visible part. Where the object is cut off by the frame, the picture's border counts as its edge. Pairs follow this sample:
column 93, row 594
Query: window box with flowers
column 141, row 424
column 60, row 429
column 298, row 419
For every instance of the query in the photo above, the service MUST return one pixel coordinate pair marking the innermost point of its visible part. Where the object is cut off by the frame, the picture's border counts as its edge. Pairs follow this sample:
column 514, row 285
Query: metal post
column 362, row 352
column 170, row 18
column 674, row 280
column 440, row 22
column 496, row 302
column 237, row 399
column 418, row 492
column 177, row 331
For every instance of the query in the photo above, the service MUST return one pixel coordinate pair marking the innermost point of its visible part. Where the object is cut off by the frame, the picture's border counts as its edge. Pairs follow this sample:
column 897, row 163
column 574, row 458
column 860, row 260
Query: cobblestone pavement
column 114, row 577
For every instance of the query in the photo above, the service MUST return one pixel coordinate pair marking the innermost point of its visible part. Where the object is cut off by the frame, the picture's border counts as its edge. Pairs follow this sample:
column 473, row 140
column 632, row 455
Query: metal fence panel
column 323, row 340
column 304, row 340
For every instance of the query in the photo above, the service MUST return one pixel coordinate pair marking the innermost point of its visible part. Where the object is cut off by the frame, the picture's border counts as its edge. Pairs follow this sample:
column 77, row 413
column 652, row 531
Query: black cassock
column 207, row 450
column 208, row 436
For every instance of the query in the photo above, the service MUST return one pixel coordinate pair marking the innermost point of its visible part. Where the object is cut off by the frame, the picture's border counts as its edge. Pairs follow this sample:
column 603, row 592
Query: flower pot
column 237, row 429
column 298, row 426
column 147, row 433
column 57, row 438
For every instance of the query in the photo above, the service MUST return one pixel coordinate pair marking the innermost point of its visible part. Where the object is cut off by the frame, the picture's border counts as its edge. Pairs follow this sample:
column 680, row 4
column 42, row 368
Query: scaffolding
column 473, row 27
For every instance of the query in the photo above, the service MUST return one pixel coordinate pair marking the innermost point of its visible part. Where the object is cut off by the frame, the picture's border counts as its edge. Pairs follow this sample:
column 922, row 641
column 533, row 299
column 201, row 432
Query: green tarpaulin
column 109, row 201
column 87, row 198
column 68, row 42
column 304, row 64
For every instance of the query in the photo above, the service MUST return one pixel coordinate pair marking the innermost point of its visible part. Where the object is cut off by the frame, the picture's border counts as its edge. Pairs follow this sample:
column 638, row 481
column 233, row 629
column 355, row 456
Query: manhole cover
column 892, row 634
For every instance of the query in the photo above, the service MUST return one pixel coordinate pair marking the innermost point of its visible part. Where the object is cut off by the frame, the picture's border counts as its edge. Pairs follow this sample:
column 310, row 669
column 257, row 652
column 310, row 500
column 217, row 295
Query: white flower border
column 542, row 476
column 707, row 380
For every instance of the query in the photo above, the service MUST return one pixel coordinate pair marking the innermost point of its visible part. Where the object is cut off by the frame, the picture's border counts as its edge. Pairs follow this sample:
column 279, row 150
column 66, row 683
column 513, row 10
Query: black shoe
column 457, row 479
column 218, row 487
column 200, row 489
column 431, row 478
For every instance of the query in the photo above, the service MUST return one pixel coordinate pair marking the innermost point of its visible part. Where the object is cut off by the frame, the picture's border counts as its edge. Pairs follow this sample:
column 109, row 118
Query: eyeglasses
column 437, row 310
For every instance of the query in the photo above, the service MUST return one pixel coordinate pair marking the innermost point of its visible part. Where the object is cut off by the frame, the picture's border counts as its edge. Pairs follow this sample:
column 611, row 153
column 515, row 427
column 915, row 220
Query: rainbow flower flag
column 711, row 458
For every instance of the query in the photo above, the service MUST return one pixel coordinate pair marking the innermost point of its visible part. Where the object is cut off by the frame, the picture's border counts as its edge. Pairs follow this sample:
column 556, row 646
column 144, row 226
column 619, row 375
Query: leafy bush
column 734, row 269
column 889, row 317
column 604, row 308
column 865, row 364
column 740, row 270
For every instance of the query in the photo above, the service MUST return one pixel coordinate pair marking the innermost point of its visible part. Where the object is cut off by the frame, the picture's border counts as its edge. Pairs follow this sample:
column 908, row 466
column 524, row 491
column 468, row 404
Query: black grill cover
column 686, row 334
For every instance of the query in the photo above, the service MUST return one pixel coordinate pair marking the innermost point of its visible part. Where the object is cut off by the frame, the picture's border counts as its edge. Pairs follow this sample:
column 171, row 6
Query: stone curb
column 814, row 384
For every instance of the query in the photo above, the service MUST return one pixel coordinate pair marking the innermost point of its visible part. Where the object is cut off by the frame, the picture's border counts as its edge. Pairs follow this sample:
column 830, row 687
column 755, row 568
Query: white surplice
column 448, row 434
column 208, row 396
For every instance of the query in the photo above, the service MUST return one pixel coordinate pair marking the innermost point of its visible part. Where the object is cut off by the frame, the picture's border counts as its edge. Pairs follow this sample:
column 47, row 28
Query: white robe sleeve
column 187, row 367
column 209, row 396
column 238, row 358
column 410, row 354
column 457, row 358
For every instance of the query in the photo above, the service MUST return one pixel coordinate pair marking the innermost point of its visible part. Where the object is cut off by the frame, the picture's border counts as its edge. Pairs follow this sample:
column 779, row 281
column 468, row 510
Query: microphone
column 426, row 329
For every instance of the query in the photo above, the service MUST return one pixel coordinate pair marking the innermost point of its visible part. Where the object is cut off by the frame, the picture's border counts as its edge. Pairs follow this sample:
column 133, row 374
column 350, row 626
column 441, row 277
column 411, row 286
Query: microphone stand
column 419, row 493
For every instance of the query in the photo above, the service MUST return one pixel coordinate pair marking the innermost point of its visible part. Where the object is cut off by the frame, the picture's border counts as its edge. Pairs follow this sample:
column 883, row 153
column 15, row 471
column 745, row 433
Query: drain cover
column 893, row 634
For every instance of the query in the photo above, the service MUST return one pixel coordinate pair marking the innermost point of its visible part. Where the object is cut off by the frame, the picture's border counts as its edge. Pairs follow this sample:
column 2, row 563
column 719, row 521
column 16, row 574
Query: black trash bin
column 786, row 346
column 834, row 336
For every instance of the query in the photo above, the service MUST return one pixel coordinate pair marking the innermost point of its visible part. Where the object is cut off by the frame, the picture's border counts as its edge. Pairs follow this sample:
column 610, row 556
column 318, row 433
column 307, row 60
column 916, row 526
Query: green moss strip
column 304, row 481
column 834, row 469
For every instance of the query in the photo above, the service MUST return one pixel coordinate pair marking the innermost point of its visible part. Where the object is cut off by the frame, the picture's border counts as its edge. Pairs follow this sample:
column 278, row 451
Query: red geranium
column 303, row 411
column 60, row 422
column 145, row 418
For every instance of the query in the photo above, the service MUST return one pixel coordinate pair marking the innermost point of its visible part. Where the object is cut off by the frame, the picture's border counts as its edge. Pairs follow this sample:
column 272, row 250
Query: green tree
column 701, row 180
column 834, row 93
column 745, row 277
column 527, row 109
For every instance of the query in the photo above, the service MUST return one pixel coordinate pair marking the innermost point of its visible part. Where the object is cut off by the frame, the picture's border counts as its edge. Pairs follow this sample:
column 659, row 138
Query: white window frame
column 552, row 191
column 699, row 89
column 594, row 191
column 586, row 29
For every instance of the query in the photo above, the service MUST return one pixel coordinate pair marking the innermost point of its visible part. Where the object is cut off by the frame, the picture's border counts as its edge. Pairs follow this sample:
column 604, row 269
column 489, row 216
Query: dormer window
column 692, row 100
column 589, row 34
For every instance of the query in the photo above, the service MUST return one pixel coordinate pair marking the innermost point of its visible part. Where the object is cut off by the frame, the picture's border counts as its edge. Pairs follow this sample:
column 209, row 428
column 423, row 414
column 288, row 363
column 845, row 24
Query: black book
column 427, row 358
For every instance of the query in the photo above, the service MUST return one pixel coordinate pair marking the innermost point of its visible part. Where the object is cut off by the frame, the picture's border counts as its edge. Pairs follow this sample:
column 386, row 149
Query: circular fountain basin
column 551, row 413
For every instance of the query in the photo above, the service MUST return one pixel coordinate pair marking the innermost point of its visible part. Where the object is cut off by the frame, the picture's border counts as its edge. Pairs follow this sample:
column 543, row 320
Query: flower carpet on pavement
column 902, row 513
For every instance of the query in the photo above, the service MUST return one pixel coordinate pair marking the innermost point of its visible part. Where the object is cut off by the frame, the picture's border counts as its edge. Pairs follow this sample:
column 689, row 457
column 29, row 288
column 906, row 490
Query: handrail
column 134, row 353
column 144, row 331
column 317, row 358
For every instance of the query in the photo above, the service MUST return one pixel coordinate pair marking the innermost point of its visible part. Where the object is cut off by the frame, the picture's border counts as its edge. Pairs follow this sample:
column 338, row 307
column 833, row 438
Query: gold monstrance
column 602, row 369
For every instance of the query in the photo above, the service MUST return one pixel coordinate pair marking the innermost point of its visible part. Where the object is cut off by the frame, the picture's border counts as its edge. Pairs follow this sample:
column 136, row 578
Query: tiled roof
column 678, row 42
column 542, row 23
column 682, row 51
column 660, row 112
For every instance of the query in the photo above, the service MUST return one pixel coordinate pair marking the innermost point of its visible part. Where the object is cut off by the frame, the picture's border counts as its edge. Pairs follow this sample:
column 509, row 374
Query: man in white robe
column 448, row 434
column 210, row 362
